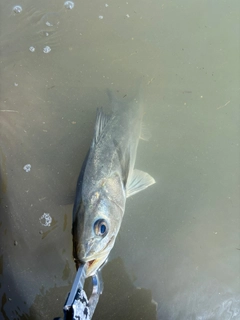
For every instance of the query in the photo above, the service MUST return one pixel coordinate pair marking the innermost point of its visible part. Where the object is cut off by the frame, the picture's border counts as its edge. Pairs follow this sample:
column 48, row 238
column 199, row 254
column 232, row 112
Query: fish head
column 96, row 227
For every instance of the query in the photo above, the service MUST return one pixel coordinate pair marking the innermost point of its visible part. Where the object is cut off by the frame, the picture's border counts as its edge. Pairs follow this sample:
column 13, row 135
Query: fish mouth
column 94, row 261
column 92, row 265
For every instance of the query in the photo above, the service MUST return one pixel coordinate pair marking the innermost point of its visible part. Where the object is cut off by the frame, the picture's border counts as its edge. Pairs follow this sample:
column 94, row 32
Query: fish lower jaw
column 79, row 262
column 92, row 265
column 89, row 263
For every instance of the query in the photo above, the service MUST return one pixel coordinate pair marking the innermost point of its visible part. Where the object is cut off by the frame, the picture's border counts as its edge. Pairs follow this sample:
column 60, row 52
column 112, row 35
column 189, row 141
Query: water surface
column 179, row 242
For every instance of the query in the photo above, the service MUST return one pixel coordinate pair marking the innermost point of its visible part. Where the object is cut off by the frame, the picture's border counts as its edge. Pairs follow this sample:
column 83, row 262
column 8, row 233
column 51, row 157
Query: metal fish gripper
column 78, row 306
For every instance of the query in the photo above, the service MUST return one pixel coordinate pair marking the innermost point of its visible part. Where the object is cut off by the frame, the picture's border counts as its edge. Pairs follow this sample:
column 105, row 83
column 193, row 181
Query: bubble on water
column 27, row 167
column 127, row 15
column 45, row 220
column 69, row 5
column 106, row 5
column 100, row 17
column 32, row 49
column 51, row 19
column 47, row 34
column 49, row 24
column 46, row 49
column 17, row 9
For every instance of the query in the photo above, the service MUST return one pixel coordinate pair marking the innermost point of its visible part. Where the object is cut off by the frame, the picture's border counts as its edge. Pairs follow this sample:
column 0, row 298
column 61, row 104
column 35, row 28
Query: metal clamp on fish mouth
column 77, row 306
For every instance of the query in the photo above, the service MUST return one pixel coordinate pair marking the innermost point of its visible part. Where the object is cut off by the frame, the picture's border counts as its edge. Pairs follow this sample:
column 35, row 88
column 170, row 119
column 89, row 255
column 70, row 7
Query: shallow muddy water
column 179, row 241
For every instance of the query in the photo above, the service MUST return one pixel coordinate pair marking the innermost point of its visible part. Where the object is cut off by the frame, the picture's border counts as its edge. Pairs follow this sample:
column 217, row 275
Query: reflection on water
column 179, row 240
column 121, row 299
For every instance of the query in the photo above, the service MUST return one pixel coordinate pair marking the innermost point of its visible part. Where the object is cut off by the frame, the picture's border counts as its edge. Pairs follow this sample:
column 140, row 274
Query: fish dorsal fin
column 101, row 121
column 114, row 101
column 145, row 133
column 138, row 181
column 78, row 197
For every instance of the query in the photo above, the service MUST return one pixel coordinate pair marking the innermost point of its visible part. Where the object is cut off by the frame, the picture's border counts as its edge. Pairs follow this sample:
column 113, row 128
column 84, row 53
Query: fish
column 107, row 178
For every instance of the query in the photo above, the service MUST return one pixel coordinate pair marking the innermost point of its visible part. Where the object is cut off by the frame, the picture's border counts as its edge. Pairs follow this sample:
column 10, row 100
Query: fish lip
column 79, row 262
column 89, row 263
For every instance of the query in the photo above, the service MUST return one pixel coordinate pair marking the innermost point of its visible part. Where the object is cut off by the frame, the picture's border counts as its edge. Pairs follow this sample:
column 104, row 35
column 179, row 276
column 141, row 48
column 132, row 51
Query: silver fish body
column 106, row 179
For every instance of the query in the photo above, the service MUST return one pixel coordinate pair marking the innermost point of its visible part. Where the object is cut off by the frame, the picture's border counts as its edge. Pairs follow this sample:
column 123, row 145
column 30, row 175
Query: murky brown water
column 179, row 240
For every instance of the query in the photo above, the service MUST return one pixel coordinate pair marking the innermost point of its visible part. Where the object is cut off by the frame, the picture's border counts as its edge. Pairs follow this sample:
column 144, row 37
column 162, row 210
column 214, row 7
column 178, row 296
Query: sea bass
column 106, row 179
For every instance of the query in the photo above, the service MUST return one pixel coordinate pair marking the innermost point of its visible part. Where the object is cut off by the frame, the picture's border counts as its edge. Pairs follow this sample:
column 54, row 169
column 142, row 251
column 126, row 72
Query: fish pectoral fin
column 124, row 160
column 138, row 181
column 101, row 121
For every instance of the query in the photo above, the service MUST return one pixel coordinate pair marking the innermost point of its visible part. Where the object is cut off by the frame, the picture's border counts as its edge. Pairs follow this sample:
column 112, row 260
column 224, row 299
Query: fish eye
column 100, row 227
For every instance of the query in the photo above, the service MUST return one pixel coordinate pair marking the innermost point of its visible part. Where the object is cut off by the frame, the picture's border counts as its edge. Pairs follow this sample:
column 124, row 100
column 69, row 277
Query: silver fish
column 106, row 179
